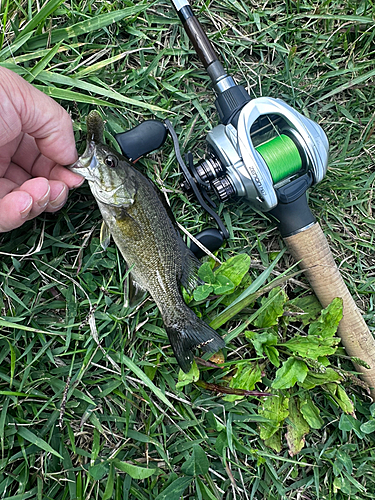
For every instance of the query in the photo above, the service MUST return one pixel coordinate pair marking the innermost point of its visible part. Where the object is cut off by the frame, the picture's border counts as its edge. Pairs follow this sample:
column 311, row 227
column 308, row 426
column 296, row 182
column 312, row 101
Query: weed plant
column 89, row 406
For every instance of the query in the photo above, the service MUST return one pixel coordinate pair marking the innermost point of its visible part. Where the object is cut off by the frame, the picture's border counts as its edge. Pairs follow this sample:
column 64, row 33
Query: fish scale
column 144, row 230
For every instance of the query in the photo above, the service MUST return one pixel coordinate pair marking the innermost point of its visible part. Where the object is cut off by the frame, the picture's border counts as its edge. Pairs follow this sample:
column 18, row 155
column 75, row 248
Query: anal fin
column 190, row 279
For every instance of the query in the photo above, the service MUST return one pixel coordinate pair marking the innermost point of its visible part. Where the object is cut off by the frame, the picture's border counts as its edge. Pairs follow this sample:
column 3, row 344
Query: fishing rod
column 267, row 153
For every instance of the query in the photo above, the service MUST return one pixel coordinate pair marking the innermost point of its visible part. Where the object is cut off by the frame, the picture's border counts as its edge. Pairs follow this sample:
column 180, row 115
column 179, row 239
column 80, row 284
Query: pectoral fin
column 134, row 293
column 105, row 236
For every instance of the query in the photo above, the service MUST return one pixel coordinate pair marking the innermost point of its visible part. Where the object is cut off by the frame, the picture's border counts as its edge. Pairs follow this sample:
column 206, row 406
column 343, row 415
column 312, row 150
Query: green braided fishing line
column 281, row 156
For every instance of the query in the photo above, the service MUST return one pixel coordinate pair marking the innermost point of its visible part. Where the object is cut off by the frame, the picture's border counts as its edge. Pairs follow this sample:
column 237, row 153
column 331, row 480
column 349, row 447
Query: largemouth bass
column 143, row 228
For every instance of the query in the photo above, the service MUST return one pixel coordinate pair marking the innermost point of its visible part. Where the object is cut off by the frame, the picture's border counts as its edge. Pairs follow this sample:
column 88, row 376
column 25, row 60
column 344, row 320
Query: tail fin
column 190, row 334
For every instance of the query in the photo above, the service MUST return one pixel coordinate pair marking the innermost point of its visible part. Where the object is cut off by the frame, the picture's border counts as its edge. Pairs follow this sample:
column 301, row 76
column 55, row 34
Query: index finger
column 25, row 108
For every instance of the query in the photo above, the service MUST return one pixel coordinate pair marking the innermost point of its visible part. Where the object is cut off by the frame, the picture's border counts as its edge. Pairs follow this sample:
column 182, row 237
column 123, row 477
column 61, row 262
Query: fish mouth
column 87, row 163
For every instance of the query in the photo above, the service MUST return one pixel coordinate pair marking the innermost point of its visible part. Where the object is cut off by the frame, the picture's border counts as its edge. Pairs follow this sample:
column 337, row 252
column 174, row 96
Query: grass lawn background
column 88, row 401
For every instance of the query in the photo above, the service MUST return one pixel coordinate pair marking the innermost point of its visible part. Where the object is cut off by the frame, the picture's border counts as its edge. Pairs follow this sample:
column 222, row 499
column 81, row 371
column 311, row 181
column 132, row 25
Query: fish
column 141, row 223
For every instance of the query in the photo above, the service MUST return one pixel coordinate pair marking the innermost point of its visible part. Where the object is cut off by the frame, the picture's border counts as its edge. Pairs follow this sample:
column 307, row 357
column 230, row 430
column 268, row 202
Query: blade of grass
column 40, row 443
column 50, row 77
column 17, row 44
column 42, row 64
column 141, row 374
column 4, row 22
column 345, row 86
column 70, row 95
column 47, row 9
column 84, row 27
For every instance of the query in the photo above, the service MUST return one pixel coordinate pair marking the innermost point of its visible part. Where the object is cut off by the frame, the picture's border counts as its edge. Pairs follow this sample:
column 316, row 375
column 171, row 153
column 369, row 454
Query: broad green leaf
column 206, row 274
column 309, row 307
column 346, row 423
column 312, row 346
column 134, row 471
column 310, row 412
column 345, row 459
column 205, row 491
column 188, row 378
column 221, row 442
column 235, row 268
column 272, row 354
column 247, row 297
column 330, row 317
column 98, row 471
column 275, row 409
column 197, row 463
column 313, row 379
column 293, row 370
column 222, row 285
column 245, row 378
column 175, row 490
column 340, row 396
column 274, row 441
column 344, row 401
column 349, row 423
column 368, row 427
column 269, row 317
column 150, row 370
column 297, row 428
column 202, row 292
column 39, row 442
column 260, row 340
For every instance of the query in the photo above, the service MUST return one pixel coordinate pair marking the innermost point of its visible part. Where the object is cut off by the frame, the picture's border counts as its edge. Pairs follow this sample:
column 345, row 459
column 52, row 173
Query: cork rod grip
column 310, row 248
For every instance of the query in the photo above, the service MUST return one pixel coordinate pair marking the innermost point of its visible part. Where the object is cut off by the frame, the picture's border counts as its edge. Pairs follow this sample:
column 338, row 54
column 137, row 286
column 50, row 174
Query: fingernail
column 79, row 183
column 60, row 199
column 43, row 202
column 25, row 212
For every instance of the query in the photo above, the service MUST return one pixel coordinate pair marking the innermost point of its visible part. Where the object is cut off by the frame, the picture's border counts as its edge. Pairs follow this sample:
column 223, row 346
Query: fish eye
column 111, row 161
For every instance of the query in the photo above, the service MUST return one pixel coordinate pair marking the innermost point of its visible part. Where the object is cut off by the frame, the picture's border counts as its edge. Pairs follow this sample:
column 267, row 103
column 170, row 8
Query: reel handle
column 310, row 247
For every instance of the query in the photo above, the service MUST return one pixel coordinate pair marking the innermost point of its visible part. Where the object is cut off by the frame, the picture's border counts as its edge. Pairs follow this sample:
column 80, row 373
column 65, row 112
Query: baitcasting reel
column 269, row 165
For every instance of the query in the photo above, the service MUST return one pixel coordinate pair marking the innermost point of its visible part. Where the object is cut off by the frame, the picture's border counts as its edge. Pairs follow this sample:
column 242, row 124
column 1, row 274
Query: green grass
column 88, row 400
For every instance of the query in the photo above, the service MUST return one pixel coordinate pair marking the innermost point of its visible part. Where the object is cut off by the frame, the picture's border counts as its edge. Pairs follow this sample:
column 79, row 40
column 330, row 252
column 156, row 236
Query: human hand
column 36, row 139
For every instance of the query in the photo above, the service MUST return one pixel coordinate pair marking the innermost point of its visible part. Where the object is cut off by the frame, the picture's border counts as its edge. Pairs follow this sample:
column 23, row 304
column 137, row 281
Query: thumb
column 23, row 108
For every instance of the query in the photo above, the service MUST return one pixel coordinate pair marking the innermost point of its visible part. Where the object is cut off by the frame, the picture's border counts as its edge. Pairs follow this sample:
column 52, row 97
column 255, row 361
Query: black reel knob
column 142, row 139
column 211, row 238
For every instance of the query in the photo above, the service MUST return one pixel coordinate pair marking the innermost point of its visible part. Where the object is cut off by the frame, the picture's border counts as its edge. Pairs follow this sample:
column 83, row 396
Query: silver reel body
column 244, row 172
